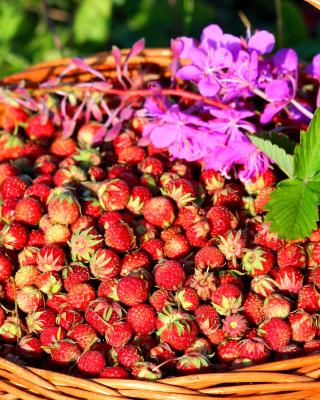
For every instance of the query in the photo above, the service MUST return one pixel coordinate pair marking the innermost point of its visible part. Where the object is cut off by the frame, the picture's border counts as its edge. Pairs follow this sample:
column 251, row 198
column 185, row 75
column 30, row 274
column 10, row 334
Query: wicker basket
column 290, row 379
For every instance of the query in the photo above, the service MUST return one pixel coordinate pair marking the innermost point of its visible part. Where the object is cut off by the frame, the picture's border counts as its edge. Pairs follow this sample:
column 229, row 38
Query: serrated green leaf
column 307, row 154
column 278, row 148
column 293, row 209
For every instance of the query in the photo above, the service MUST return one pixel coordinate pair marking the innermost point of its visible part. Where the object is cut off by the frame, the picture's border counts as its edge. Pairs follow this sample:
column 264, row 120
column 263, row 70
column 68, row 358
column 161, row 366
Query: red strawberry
column 260, row 181
column 154, row 248
column 132, row 290
column 193, row 363
column 113, row 194
column 258, row 261
column 120, row 237
column 101, row 313
column 70, row 176
column 37, row 127
column 80, row 295
column 28, row 211
column 83, row 222
column 198, row 233
column 35, row 239
column 187, row 298
column 189, row 215
column 289, row 280
column 65, row 353
column 232, row 245
column 12, row 117
column 49, row 283
column 28, row 256
column 83, row 334
column 267, row 239
column 169, row 275
column 177, row 247
column 228, row 351
column 91, row 364
column 12, row 330
column 68, row 319
column 140, row 196
column 132, row 155
column 262, row 199
column 291, row 256
column 91, row 207
column 221, row 220
column 276, row 306
column 308, row 299
column 40, row 319
column 63, row 208
column 6, row 268
column 14, row 236
column 253, row 309
column 83, row 244
column 209, row 257
column 162, row 353
column 73, row 274
column 8, row 170
column 312, row 347
column 227, row 299
column 159, row 211
column 235, row 326
column 160, row 299
column 275, row 332
column 146, row 372
column 151, row 165
column 58, row 303
column 255, row 349
column 115, row 372
column 142, row 319
column 289, row 352
column 105, row 263
column 30, row 350
column 180, row 190
column 108, row 288
column 29, row 299
column 263, row 285
column 134, row 260
column 51, row 335
column 8, row 210
column 207, row 318
column 129, row 355
column 227, row 197
column 118, row 334
column 211, row 180
column 303, row 326
column 51, row 258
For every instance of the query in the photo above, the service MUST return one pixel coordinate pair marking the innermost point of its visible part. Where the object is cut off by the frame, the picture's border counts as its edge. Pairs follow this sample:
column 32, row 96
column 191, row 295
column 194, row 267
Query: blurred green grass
column 87, row 26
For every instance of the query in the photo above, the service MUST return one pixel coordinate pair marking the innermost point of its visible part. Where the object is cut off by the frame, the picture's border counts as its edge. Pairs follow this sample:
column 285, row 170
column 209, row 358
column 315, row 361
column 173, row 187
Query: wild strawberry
column 235, row 326
column 28, row 211
column 44, row 180
column 260, row 181
column 231, row 276
column 313, row 251
column 105, row 263
column 140, row 196
column 169, row 275
column 132, row 155
column 40, row 319
column 63, row 208
column 154, row 248
column 291, row 256
column 228, row 351
column 83, row 244
column 118, row 334
column 51, row 258
column 35, row 239
column 33, row 149
column 203, row 282
column 108, row 288
column 134, row 260
column 91, row 207
column 163, row 353
column 221, row 220
column 193, row 363
column 177, row 247
column 28, row 256
column 289, row 352
column 207, row 318
column 96, row 173
column 227, row 299
column 187, row 298
column 83, row 222
column 289, row 280
column 45, row 167
column 12, row 330
column 209, row 257
column 113, row 194
column 12, row 117
column 276, row 306
column 267, row 239
column 51, row 335
column 14, row 236
column 151, row 165
column 227, row 197
column 201, row 346
column 49, row 283
column 180, row 190
column 115, row 372
column 65, row 353
column 29, row 299
column 8, row 210
column 252, row 309
column 159, row 211
column 6, row 268
column 58, row 303
column 160, row 299
column 258, row 261
column 263, row 285
column 119, row 237
column 303, row 326
column 146, row 371
column 68, row 319
column 312, row 347
column 37, row 127
column 262, row 199
column 11, row 146
column 198, row 233
column 8, row 170
column 211, row 180
column 275, row 332
column 128, row 355
column 73, row 274
column 8, row 292
column 83, row 334
column 30, row 349
column 57, row 235
column 132, row 290
column 91, row 364
column 315, row 276
column 255, row 349
column 70, row 176
column 177, row 329
column 308, row 299
column 80, row 295
column 101, row 313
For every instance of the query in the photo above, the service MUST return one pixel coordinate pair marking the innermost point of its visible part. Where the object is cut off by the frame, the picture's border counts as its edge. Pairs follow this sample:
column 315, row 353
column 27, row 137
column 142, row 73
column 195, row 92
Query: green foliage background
column 88, row 26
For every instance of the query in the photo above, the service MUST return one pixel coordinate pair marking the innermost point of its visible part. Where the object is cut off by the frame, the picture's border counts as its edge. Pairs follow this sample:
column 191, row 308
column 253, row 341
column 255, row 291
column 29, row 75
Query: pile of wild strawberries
column 118, row 262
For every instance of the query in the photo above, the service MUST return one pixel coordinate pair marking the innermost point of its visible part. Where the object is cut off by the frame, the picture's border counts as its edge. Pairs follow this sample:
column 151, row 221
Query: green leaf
column 293, row 209
column 307, row 154
column 278, row 148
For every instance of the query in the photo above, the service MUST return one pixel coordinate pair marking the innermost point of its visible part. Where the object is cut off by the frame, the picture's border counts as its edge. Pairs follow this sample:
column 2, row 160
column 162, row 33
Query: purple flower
column 297, row 115
column 184, row 44
column 204, row 69
column 255, row 162
column 314, row 68
column 230, row 121
column 262, row 42
column 279, row 92
column 213, row 38
column 285, row 60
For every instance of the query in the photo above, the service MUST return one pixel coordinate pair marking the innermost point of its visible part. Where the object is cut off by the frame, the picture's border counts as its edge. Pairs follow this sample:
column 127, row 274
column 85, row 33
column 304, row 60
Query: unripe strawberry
column 29, row 299
column 276, row 306
column 263, row 285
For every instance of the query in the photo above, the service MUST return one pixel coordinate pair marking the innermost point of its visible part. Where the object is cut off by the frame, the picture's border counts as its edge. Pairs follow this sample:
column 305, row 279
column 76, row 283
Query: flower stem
column 300, row 107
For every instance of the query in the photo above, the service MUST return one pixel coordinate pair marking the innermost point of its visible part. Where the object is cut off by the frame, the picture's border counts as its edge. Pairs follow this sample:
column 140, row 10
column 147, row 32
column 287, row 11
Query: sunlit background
column 32, row 31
